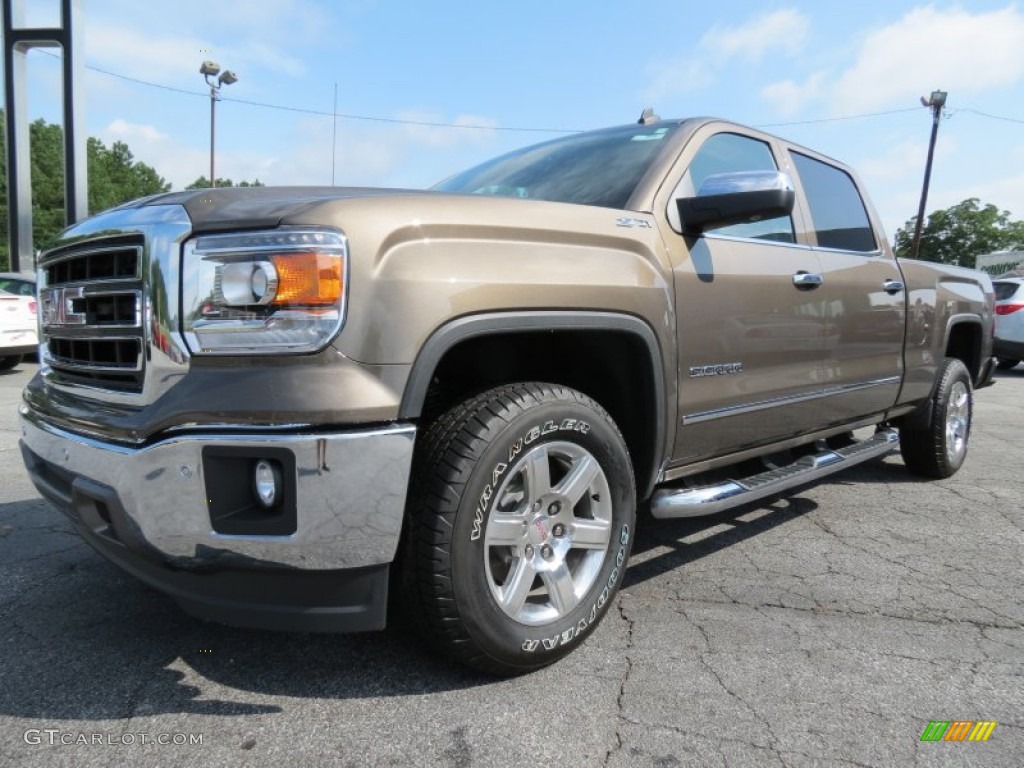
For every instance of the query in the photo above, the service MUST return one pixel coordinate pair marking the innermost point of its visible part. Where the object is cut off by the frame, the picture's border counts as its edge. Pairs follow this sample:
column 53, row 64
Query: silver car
column 1009, row 344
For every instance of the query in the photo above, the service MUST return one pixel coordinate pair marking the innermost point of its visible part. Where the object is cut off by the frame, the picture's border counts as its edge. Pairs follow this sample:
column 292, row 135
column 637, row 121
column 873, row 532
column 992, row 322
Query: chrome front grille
column 92, row 313
column 111, row 263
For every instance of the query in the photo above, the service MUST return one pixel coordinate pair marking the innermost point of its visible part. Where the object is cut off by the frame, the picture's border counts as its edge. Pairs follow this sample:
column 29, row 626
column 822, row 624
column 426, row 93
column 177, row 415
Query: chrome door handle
column 893, row 286
column 805, row 281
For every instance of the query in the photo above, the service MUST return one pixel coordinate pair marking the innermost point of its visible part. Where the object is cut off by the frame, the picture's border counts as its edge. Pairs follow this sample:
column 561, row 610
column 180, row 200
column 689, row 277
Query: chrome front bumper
column 350, row 495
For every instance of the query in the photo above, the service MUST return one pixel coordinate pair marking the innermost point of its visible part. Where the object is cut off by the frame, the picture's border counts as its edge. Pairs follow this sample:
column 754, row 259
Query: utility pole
column 936, row 101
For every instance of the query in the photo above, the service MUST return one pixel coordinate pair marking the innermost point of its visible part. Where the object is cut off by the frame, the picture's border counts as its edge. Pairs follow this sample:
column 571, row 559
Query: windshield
column 594, row 168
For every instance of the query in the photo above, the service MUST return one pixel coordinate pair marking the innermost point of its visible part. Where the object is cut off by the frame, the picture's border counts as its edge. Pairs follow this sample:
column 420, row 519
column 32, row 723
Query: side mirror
column 737, row 198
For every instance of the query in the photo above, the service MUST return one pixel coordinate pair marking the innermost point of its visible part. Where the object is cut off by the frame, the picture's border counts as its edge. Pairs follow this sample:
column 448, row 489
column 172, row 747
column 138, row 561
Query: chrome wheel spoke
column 582, row 475
column 590, row 534
column 506, row 530
column 517, row 586
column 538, row 475
column 561, row 589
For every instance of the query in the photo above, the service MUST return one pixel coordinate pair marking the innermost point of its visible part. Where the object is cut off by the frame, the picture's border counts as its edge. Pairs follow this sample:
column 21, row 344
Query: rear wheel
column 520, row 523
column 1006, row 363
column 6, row 363
column 939, row 449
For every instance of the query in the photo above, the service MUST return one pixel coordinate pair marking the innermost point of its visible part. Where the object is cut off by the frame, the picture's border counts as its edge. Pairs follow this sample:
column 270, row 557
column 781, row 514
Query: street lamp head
column 209, row 68
column 227, row 77
column 938, row 98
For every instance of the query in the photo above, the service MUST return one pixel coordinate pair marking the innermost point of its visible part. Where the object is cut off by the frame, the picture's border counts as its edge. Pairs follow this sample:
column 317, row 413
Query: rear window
column 840, row 219
column 1005, row 290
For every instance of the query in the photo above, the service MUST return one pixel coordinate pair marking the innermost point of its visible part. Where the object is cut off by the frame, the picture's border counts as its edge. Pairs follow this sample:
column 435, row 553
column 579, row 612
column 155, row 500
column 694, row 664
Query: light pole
column 936, row 101
column 227, row 77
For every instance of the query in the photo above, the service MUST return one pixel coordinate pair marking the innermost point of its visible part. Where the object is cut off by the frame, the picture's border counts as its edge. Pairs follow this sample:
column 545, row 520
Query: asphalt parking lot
column 825, row 628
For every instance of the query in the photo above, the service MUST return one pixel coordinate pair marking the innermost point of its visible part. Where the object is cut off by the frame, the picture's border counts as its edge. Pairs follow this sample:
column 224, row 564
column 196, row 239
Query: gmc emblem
column 59, row 306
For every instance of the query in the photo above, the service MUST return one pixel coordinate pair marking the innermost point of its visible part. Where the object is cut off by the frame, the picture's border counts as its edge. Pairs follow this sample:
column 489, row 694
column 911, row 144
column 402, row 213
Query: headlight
column 264, row 292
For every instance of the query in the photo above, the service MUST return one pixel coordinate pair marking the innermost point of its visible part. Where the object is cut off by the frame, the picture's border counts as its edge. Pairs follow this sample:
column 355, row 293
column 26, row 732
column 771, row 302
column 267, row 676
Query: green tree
column 202, row 183
column 114, row 178
column 958, row 235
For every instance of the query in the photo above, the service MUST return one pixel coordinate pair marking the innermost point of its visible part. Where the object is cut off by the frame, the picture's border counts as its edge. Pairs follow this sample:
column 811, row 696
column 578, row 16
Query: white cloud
column 125, row 131
column 175, row 59
column 476, row 129
column 904, row 159
column 789, row 97
column 1006, row 193
column 953, row 49
column 784, row 30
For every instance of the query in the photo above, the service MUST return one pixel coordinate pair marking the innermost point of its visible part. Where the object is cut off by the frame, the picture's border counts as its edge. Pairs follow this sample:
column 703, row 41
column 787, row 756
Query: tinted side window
column 731, row 153
column 17, row 287
column 1005, row 290
column 840, row 219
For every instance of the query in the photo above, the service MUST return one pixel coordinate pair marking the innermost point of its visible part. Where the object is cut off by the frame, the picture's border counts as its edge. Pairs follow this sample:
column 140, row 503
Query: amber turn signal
column 308, row 278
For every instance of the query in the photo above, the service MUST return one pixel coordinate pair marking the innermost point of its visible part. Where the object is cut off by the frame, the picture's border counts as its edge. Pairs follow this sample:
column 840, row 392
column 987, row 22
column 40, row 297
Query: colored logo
column 958, row 730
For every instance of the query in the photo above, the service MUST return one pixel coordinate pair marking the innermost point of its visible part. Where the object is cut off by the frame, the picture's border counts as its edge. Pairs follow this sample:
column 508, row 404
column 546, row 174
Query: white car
column 1009, row 343
column 18, row 328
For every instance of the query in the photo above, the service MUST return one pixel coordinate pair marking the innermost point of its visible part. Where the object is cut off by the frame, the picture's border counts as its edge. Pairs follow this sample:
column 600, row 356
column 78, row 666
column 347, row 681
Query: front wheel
column 1006, row 363
column 940, row 448
column 10, row 361
column 520, row 522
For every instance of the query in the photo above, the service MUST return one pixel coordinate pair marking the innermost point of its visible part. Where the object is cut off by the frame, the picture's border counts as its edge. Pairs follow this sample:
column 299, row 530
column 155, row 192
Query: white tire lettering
column 516, row 448
column 497, row 472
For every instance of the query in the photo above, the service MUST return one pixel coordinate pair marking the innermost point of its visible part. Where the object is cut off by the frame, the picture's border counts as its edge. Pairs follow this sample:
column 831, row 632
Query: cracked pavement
column 826, row 627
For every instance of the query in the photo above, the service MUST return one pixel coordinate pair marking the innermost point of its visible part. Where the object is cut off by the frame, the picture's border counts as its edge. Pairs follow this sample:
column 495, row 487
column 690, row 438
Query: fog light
column 267, row 483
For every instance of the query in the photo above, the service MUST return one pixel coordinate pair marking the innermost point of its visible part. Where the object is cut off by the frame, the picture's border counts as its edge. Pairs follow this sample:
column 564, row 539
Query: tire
column 1006, row 363
column 939, row 449
column 9, row 362
column 519, row 526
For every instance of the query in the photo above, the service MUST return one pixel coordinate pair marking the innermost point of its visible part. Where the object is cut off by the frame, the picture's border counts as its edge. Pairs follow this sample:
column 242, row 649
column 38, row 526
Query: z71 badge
column 699, row 371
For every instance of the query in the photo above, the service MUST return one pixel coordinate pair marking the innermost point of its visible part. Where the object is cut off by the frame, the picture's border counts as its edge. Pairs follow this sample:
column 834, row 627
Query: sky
column 427, row 89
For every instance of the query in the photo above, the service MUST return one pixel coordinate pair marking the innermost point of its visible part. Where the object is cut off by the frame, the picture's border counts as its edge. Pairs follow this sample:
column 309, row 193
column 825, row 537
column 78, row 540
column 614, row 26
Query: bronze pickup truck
column 282, row 405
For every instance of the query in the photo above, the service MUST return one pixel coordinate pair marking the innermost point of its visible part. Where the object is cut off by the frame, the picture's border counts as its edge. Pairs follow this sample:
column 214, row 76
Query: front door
column 751, row 333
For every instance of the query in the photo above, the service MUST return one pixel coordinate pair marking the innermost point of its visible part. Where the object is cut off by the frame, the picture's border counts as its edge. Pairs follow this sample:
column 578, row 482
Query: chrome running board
column 696, row 502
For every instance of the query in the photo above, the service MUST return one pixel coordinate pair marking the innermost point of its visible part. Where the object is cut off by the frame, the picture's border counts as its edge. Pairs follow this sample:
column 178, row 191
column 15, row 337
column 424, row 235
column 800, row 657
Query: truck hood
column 250, row 207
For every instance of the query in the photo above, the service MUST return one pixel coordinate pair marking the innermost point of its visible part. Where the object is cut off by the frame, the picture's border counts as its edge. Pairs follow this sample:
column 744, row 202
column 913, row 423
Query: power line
column 836, row 119
column 320, row 112
column 986, row 114
column 516, row 129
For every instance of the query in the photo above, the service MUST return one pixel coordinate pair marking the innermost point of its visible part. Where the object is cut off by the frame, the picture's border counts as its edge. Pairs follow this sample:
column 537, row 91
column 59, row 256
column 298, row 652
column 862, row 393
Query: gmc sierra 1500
column 276, row 404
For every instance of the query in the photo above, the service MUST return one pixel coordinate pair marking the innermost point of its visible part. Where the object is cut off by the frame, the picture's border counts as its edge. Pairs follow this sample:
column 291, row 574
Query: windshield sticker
column 657, row 135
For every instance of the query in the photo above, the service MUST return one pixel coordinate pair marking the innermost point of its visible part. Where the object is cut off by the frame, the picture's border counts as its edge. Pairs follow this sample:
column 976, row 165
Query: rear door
column 863, row 295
